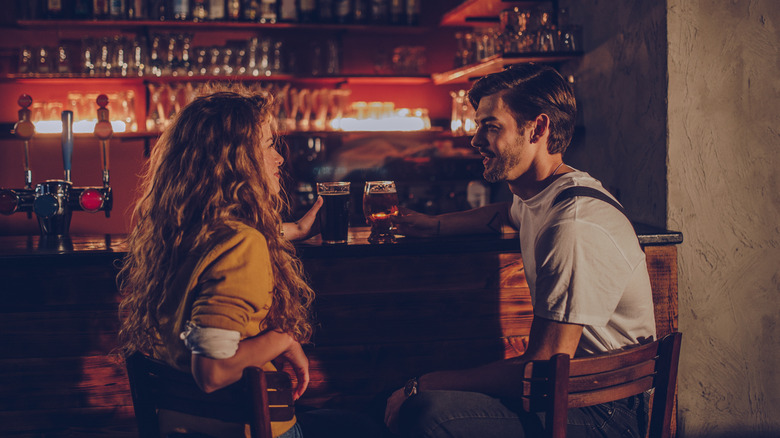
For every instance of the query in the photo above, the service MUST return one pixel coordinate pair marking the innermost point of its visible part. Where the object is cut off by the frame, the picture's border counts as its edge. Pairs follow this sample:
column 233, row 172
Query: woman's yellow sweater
column 228, row 286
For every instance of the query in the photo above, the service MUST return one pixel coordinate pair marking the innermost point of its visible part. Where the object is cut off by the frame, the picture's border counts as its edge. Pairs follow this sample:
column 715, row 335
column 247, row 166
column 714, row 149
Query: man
column 588, row 280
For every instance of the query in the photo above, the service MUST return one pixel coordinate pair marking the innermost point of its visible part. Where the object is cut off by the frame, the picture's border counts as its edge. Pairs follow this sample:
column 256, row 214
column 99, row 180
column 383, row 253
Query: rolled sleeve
column 211, row 342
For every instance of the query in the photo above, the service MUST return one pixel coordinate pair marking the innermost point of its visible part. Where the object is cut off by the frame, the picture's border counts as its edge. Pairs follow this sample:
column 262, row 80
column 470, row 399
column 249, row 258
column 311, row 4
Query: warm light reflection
column 395, row 123
column 382, row 116
column 80, row 127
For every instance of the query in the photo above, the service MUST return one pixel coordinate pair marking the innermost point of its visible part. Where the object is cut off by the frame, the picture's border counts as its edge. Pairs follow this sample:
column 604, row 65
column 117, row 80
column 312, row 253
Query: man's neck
column 531, row 184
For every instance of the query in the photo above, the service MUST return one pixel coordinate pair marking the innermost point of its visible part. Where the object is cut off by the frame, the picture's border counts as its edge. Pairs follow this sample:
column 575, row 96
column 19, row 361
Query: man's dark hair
column 533, row 90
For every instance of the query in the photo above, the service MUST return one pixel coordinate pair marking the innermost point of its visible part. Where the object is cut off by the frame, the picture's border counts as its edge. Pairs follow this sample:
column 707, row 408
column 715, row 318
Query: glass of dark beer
column 380, row 204
column 334, row 215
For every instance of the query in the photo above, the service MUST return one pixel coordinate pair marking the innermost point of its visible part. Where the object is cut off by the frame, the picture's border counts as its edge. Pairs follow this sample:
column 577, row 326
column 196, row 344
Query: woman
column 210, row 284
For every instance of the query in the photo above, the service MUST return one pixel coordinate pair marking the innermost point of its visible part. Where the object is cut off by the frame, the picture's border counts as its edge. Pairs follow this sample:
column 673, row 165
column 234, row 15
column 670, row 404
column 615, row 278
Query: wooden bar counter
column 384, row 313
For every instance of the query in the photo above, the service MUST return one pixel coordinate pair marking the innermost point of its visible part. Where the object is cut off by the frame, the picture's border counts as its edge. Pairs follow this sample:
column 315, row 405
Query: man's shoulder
column 590, row 211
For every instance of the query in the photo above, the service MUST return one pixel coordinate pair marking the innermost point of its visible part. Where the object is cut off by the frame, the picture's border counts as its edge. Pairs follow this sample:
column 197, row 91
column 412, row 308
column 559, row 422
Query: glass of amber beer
column 380, row 204
column 334, row 215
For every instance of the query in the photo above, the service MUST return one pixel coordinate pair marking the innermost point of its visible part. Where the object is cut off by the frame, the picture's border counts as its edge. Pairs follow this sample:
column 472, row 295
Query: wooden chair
column 257, row 399
column 553, row 386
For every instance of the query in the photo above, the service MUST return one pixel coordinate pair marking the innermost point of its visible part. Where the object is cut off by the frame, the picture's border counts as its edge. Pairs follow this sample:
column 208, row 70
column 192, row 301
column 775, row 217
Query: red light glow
column 91, row 200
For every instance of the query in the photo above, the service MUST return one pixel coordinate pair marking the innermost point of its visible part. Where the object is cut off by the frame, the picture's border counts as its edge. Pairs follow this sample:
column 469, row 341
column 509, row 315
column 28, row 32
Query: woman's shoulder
column 237, row 234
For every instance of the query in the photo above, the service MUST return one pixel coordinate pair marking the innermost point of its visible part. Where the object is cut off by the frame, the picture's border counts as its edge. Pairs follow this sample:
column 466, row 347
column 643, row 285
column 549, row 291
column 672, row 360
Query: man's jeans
column 434, row 414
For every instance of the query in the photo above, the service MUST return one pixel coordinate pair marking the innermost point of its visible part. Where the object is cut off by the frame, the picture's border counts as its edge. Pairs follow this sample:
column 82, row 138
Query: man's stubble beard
column 501, row 164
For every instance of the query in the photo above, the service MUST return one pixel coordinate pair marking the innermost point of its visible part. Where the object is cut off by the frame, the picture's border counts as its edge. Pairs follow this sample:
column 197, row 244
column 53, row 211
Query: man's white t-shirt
column 584, row 266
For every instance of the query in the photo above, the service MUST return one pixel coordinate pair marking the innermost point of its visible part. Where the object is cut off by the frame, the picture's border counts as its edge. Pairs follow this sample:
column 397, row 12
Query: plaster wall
column 724, row 195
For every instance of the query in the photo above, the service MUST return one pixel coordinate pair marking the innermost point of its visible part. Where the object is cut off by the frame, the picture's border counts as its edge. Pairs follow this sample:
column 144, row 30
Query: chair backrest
column 553, row 386
column 257, row 399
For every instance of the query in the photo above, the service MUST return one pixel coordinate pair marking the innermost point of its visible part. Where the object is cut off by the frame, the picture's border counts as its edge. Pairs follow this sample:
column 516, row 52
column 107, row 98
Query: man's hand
column 413, row 224
column 305, row 227
column 394, row 403
column 295, row 356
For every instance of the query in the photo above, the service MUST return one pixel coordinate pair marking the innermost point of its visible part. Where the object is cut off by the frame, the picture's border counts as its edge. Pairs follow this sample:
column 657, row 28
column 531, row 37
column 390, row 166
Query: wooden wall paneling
column 380, row 321
column 64, row 383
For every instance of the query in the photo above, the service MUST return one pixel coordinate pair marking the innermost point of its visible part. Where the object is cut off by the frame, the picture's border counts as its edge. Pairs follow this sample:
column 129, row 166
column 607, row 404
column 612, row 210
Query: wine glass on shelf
column 380, row 204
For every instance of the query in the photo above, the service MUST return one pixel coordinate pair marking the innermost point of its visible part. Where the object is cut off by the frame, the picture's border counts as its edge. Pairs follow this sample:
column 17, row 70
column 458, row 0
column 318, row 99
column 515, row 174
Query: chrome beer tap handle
column 67, row 142
column 103, row 131
column 25, row 130
column 14, row 200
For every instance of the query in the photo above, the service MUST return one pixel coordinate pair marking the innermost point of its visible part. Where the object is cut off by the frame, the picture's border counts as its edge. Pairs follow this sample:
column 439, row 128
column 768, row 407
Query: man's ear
column 539, row 127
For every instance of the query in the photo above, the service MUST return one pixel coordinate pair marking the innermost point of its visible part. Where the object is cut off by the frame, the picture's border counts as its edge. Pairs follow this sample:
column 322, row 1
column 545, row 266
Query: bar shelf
column 358, row 79
column 471, row 12
column 215, row 26
column 497, row 63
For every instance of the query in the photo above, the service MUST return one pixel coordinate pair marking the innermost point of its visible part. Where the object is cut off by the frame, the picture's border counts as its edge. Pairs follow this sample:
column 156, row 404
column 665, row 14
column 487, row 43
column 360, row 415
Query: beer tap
column 93, row 199
column 13, row 200
column 53, row 201
column 67, row 142
column 25, row 130
column 104, row 131
column 52, row 197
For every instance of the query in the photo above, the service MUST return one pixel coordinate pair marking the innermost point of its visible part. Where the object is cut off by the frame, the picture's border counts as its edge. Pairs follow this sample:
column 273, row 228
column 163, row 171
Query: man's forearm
column 498, row 379
column 493, row 218
column 503, row 378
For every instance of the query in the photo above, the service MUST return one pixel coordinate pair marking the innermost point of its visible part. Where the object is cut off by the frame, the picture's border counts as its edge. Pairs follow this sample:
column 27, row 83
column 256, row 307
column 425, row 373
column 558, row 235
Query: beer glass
column 380, row 204
column 334, row 214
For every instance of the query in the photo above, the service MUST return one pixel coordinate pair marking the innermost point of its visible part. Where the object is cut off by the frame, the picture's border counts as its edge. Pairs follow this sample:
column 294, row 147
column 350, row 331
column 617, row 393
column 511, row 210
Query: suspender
column 590, row 192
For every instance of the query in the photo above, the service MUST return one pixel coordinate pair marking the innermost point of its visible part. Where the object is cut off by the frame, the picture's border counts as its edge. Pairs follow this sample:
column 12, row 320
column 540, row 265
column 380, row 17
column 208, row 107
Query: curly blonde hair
column 206, row 170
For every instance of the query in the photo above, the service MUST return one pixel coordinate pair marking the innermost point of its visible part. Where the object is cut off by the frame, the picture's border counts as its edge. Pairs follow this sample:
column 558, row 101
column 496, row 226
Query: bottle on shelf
column 200, row 10
column 216, row 10
column 397, row 12
column 379, row 11
column 136, row 9
column 268, row 11
column 250, row 10
column 54, row 10
column 325, row 11
column 233, row 9
column 413, row 12
column 101, row 9
column 158, row 10
column 117, row 10
column 307, row 11
column 342, row 11
column 287, row 11
column 82, row 9
column 360, row 13
column 181, row 9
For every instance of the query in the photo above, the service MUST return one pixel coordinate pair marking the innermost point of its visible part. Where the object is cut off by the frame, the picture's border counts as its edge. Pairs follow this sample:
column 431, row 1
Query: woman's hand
column 411, row 223
column 305, row 227
column 297, row 359
column 394, row 403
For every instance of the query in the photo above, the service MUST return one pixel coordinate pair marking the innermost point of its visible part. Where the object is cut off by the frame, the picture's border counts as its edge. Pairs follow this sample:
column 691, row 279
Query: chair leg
column 555, row 418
